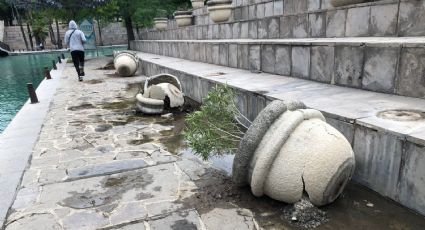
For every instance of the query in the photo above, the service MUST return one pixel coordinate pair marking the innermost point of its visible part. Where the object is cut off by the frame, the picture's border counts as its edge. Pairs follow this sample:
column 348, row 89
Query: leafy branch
column 215, row 129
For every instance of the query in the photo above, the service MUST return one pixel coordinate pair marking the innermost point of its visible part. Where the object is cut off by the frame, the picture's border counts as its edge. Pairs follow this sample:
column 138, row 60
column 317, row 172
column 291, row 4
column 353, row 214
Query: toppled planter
column 160, row 92
column 126, row 63
column 197, row 3
column 219, row 10
column 183, row 18
column 289, row 150
column 161, row 23
column 337, row 3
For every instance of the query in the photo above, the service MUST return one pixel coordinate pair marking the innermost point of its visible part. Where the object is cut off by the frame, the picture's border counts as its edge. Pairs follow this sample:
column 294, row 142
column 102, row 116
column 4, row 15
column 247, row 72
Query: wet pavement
column 99, row 165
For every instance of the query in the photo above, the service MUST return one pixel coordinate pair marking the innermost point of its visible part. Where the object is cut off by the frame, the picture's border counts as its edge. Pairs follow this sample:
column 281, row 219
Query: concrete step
column 388, row 65
column 389, row 144
column 304, row 19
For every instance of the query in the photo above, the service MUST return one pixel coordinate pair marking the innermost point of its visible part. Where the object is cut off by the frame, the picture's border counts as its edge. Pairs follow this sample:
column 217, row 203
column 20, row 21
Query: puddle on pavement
column 357, row 207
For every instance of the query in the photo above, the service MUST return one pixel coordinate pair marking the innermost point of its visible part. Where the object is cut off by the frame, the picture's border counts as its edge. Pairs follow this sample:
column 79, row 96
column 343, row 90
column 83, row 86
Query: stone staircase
column 368, row 83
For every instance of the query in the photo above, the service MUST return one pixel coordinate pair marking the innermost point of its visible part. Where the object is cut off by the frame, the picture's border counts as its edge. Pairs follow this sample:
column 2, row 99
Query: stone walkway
column 98, row 165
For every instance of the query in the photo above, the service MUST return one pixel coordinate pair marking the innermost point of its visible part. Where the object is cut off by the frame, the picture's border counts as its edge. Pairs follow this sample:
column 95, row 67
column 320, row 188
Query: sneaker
column 83, row 74
column 80, row 78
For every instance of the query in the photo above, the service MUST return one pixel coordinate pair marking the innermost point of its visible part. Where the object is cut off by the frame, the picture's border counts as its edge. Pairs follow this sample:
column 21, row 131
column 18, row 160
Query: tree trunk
column 52, row 35
column 138, row 33
column 129, row 28
column 100, row 32
column 59, row 41
column 22, row 27
column 30, row 36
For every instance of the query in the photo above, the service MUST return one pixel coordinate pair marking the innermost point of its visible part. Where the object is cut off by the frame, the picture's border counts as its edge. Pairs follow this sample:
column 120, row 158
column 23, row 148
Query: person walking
column 75, row 39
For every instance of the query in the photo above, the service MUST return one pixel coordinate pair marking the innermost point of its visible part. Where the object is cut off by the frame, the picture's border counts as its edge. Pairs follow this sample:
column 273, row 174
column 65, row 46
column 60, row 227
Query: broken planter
column 126, row 63
column 289, row 150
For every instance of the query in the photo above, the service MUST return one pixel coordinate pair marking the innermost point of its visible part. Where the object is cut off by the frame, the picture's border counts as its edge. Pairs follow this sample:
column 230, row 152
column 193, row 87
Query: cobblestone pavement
column 98, row 165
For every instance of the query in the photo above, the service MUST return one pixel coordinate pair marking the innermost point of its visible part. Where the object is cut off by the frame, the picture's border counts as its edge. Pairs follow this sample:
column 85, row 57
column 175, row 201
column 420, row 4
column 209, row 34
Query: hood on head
column 73, row 25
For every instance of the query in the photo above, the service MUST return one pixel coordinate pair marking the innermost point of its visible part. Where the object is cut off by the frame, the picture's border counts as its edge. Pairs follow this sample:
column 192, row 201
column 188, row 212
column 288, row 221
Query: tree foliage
column 215, row 129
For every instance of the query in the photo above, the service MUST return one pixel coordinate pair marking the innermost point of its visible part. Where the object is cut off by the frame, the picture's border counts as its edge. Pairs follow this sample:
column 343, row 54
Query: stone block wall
column 303, row 19
column 394, row 69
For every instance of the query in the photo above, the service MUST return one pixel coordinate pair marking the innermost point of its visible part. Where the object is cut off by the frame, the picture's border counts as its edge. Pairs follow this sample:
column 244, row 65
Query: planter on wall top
column 219, row 10
column 183, row 18
column 290, row 150
column 161, row 23
column 197, row 4
column 337, row 3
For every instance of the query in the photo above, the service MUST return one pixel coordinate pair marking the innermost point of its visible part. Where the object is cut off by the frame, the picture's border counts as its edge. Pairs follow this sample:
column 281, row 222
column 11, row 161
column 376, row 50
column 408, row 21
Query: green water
column 17, row 71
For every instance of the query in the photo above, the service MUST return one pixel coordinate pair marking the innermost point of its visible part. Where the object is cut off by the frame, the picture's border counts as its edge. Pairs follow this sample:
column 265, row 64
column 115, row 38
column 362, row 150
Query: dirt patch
column 81, row 107
column 94, row 81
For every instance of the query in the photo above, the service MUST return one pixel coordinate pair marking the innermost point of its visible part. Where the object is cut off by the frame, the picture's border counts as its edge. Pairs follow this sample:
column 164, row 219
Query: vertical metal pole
column 59, row 59
column 31, row 92
column 54, row 64
column 63, row 56
column 47, row 73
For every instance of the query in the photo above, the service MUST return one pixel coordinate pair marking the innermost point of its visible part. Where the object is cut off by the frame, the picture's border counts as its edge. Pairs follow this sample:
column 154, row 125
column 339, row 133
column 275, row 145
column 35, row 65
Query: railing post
column 31, row 92
column 54, row 64
column 63, row 56
column 47, row 73
column 59, row 59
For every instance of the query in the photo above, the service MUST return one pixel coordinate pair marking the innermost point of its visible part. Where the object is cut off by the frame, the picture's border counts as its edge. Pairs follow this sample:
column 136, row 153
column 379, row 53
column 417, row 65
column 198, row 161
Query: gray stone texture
column 216, row 54
column 253, row 29
column 262, row 28
column 380, row 69
column 300, row 26
column 243, row 53
column 224, row 54
column 278, row 8
column 349, row 65
column 285, row 27
column 335, row 26
column 233, row 55
column 411, row 79
column 260, row 11
column 317, row 25
column 283, row 60
column 273, row 27
column 411, row 12
column 322, row 63
column 254, row 58
column 347, row 129
column 252, row 12
column 378, row 159
column 236, row 30
column 412, row 182
column 300, row 61
column 244, row 29
column 383, row 20
column 294, row 6
column 357, row 22
column 313, row 5
column 268, row 59
column 268, row 9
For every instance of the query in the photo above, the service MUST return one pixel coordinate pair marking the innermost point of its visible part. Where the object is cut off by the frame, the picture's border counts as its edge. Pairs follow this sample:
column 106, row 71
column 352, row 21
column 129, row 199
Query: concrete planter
column 161, row 23
column 337, row 3
column 219, row 10
column 197, row 4
column 289, row 150
column 148, row 105
column 183, row 18
column 126, row 63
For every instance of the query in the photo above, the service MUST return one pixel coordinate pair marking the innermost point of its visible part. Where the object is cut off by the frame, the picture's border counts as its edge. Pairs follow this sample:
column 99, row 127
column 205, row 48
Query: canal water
column 17, row 71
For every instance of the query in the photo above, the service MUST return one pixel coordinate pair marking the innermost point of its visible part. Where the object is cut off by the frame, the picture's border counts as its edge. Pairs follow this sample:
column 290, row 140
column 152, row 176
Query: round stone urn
column 290, row 150
column 337, row 3
column 197, row 4
column 161, row 23
column 126, row 63
column 219, row 10
column 183, row 18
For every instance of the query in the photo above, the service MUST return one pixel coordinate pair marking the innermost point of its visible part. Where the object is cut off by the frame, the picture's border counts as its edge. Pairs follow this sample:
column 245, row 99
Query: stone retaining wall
column 302, row 19
column 393, row 68
column 1, row 31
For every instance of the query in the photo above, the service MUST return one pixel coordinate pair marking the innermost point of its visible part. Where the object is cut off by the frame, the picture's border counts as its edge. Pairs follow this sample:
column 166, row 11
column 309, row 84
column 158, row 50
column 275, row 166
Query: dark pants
column 78, row 60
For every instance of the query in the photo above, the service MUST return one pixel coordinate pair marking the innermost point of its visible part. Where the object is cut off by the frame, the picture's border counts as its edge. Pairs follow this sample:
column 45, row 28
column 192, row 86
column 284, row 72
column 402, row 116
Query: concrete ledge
column 18, row 139
column 387, row 65
column 383, row 162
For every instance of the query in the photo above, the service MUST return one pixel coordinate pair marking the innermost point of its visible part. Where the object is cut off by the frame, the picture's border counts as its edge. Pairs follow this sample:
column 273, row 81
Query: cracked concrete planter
column 197, row 4
column 289, row 150
column 126, row 63
column 183, row 18
column 220, row 10
column 161, row 23
column 148, row 105
column 337, row 3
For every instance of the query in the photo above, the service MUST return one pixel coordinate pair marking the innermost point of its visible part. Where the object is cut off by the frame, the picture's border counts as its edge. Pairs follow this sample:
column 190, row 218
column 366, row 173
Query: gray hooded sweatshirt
column 74, row 37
